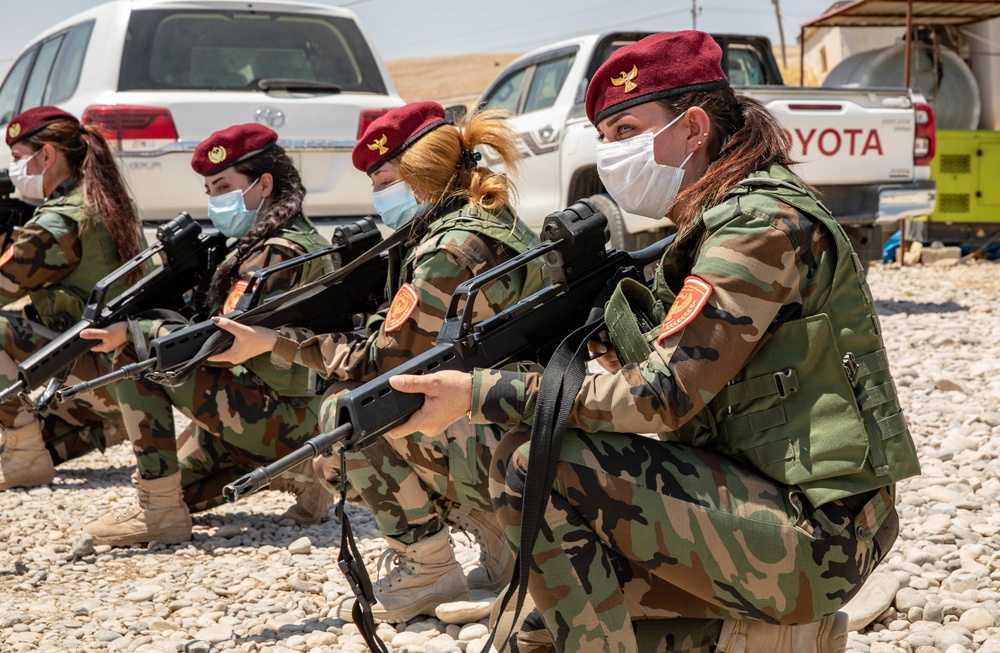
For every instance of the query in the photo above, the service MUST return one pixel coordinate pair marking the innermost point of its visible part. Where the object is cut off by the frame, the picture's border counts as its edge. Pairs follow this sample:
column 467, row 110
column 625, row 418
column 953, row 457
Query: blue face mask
column 230, row 215
column 397, row 205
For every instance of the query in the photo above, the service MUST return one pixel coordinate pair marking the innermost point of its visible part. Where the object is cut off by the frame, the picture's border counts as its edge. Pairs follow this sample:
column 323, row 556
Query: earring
column 699, row 143
column 705, row 135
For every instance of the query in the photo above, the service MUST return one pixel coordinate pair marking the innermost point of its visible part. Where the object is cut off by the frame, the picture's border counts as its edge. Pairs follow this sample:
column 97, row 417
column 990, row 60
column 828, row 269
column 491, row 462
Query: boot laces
column 465, row 523
column 396, row 567
column 139, row 502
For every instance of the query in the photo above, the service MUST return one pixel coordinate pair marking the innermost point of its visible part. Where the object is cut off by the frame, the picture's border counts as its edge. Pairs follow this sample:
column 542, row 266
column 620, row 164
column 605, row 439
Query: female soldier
column 84, row 229
column 426, row 180
column 765, row 498
column 243, row 416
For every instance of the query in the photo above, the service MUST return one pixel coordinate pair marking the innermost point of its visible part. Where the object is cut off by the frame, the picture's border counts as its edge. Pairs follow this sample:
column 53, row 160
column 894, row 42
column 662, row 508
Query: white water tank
column 954, row 98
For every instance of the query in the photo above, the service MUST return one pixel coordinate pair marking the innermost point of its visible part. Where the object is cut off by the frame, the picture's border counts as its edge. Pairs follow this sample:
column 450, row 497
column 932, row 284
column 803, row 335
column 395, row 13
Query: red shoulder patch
column 234, row 296
column 689, row 302
column 403, row 305
column 7, row 256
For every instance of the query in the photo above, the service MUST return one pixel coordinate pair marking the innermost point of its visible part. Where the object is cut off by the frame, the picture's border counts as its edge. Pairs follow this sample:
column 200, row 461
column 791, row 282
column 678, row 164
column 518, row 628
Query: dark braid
column 286, row 203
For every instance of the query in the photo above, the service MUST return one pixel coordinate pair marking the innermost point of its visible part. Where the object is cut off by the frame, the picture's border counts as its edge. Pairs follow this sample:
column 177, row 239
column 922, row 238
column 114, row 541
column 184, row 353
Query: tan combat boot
column 828, row 635
column 496, row 561
column 426, row 575
column 312, row 500
column 24, row 460
column 159, row 513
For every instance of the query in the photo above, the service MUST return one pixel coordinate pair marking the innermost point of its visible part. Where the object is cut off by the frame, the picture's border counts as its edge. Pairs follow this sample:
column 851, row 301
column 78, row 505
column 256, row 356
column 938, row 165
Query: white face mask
column 634, row 179
column 30, row 186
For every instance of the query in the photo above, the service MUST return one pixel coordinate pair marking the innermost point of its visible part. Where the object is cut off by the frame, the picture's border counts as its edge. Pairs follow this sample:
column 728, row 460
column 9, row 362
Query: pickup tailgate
column 845, row 136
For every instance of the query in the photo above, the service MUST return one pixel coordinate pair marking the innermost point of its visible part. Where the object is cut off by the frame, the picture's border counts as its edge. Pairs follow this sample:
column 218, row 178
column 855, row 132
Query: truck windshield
column 233, row 51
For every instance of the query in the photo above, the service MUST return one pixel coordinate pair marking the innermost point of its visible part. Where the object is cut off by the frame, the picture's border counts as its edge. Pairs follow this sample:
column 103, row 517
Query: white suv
column 161, row 75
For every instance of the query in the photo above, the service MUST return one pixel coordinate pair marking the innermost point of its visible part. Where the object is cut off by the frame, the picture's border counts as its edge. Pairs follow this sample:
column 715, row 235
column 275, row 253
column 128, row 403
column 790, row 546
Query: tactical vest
column 816, row 407
column 503, row 227
column 297, row 381
column 61, row 305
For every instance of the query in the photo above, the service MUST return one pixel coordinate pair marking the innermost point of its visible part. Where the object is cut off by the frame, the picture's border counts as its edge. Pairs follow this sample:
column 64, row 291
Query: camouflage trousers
column 409, row 483
column 70, row 429
column 637, row 529
column 237, row 423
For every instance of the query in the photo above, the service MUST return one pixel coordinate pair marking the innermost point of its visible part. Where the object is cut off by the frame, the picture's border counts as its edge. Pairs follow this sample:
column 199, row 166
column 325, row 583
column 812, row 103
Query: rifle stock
column 189, row 258
column 581, row 269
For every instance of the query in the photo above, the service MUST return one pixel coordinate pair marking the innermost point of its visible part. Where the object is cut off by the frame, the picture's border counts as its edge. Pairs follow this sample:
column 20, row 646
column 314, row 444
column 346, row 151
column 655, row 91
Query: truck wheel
column 620, row 238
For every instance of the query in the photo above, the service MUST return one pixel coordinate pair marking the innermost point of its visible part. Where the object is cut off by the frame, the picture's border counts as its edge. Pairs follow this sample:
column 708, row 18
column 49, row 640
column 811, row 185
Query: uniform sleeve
column 755, row 271
column 37, row 258
column 263, row 256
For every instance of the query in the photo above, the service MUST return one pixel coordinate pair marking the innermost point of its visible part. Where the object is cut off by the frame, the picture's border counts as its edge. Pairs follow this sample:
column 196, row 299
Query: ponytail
column 443, row 163
column 102, row 186
column 744, row 137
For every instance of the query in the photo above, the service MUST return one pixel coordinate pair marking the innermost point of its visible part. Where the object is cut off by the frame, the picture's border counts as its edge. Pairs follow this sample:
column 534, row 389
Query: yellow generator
column 967, row 171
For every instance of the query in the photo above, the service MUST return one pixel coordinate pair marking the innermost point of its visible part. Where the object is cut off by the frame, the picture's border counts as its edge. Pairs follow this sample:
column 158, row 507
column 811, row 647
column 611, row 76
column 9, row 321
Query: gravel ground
column 250, row 581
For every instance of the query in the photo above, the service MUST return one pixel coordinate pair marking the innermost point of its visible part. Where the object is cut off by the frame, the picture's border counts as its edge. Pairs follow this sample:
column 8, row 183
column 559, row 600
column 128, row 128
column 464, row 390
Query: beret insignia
column 379, row 144
column 217, row 154
column 14, row 130
column 626, row 79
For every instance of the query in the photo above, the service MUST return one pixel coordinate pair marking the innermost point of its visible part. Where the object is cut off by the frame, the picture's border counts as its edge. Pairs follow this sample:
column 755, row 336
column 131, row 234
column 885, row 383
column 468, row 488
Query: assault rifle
column 582, row 271
column 331, row 310
column 13, row 212
column 189, row 258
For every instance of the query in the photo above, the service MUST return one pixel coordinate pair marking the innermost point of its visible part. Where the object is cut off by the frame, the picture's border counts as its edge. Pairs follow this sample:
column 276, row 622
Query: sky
column 428, row 28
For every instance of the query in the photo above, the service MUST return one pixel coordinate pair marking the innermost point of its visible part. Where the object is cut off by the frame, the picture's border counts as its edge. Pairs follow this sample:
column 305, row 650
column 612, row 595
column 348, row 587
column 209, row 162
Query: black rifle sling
column 353, row 567
column 220, row 340
column 561, row 381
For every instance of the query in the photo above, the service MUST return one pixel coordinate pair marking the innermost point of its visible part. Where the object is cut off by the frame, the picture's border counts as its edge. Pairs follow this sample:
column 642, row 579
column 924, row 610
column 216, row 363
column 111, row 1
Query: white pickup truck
column 867, row 149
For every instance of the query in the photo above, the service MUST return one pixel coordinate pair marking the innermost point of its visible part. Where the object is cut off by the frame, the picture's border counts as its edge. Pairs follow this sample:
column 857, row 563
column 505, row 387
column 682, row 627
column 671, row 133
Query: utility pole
column 694, row 14
column 781, row 33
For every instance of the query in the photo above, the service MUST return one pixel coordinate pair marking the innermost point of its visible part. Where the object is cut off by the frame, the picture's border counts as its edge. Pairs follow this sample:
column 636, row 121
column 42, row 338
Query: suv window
column 507, row 94
column 39, row 76
column 66, row 72
column 546, row 82
column 744, row 65
column 11, row 89
column 52, row 71
column 230, row 50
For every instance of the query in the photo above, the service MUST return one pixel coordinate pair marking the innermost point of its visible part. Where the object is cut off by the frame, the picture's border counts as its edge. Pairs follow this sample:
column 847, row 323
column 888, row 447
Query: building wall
column 828, row 46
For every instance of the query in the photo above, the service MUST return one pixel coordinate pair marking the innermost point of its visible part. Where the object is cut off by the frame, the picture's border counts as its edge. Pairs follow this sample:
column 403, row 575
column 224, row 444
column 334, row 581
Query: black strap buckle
column 787, row 382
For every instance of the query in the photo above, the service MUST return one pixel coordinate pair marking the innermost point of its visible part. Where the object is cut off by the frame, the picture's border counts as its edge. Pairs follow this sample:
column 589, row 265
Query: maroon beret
column 390, row 134
column 230, row 146
column 658, row 66
column 34, row 120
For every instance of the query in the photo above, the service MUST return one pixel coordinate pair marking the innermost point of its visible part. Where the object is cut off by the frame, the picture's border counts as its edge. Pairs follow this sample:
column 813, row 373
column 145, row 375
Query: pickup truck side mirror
column 455, row 113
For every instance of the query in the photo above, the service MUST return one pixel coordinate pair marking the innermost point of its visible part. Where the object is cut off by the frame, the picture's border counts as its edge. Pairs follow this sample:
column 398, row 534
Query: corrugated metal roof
column 892, row 13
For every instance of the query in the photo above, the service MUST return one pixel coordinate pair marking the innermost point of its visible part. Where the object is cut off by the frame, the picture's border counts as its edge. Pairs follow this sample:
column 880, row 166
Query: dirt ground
column 448, row 80
column 460, row 80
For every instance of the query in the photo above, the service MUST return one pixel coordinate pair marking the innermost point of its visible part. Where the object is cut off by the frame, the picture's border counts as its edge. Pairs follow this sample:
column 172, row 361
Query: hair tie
column 469, row 158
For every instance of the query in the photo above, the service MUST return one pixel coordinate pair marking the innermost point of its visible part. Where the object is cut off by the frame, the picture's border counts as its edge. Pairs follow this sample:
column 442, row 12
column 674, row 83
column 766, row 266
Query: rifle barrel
column 9, row 392
column 130, row 371
column 261, row 477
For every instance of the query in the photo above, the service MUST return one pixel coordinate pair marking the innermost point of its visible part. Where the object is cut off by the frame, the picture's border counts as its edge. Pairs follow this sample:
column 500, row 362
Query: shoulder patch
column 7, row 256
column 234, row 296
column 403, row 305
column 690, row 300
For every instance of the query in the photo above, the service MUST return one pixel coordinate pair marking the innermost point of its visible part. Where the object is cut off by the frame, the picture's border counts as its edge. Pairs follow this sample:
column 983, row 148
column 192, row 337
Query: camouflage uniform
column 57, row 264
column 242, row 417
column 758, row 498
column 401, row 479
